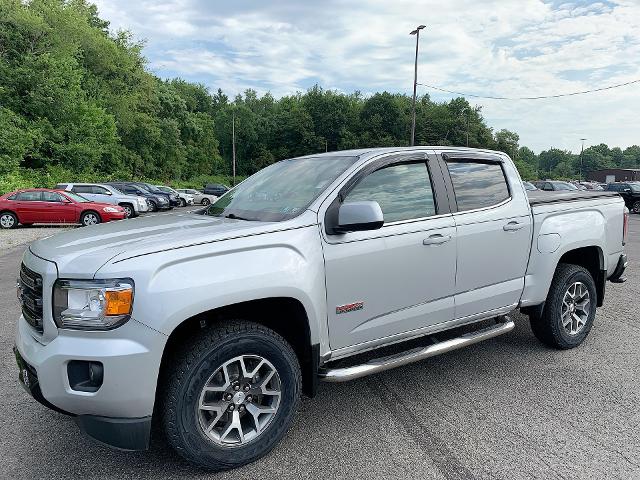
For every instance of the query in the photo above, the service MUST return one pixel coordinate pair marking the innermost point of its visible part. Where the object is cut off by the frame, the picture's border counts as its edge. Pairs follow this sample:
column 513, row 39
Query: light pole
column 581, row 152
column 415, row 32
column 466, row 109
column 233, row 144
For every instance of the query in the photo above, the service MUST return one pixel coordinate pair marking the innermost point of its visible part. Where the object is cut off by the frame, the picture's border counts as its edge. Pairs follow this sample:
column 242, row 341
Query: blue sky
column 491, row 47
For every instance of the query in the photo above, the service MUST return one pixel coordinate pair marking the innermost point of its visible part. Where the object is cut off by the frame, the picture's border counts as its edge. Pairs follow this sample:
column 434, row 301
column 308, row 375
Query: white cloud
column 494, row 47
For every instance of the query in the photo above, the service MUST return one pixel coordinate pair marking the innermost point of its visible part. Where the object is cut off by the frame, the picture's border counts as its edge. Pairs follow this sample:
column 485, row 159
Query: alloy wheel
column 128, row 211
column 7, row 221
column 239, row 400
column 90, row 219
column 575, row 308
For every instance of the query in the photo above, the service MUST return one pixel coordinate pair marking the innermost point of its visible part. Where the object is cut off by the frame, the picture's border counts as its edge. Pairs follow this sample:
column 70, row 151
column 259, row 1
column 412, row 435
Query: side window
column 29, row 196
column 81, row 189
column 51, row 197
column 403, row 191
column 99, row 190
column 478, row 185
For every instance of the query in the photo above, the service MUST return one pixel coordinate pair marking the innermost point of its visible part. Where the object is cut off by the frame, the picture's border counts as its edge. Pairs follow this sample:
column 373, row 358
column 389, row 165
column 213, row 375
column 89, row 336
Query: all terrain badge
column 350, row 307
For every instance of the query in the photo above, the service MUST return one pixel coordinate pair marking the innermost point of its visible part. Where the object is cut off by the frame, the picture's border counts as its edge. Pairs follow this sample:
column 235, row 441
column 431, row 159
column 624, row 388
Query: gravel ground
column 507, row 408
column 24, row 235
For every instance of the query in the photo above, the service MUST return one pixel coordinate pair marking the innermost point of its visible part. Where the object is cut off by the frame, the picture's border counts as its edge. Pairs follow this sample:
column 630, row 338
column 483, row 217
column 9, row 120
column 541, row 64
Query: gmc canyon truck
column 212, row 324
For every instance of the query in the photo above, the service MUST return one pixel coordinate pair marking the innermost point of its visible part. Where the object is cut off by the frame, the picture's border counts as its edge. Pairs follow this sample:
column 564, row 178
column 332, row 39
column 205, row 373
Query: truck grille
column 30, row 296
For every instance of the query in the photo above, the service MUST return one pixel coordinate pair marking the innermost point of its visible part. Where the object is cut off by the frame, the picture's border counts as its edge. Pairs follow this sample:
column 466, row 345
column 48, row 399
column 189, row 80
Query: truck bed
column 541, row 197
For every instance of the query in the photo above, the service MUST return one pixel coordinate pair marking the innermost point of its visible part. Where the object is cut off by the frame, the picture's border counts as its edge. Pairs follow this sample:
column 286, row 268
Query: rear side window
column 29, row 196
column 403, row 191
column 82, row 189
column 99, row 190
column 478, row 185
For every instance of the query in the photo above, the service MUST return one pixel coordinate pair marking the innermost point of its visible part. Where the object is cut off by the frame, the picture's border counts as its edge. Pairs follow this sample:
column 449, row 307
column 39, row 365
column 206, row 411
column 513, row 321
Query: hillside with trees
column 78, row 102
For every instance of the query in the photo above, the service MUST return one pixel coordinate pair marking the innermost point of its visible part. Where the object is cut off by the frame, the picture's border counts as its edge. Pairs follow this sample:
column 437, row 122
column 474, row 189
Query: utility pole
column 415, row 32
column 581, row 152
column 465, row 109
column 233, row 145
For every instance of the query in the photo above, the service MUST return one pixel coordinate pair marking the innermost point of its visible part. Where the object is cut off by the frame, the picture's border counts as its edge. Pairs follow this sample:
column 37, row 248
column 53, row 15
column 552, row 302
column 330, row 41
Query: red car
column 40, row 205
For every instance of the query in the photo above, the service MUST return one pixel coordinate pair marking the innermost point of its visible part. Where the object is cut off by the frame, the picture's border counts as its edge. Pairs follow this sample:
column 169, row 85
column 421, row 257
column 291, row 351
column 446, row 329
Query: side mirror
column 108, row 193
column 359, row 216
column 627, row 189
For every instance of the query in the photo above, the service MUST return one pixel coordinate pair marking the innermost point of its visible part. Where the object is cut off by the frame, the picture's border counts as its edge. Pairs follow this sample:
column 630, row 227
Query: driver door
column 401, row 277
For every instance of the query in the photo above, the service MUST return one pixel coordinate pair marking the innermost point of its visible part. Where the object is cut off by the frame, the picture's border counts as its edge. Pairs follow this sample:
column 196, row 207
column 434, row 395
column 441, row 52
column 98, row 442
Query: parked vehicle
column 554, row 185
column 216, row 189
column 590, row 186
column 184, row 198
column 155, row 202
column 630, row 191
column 174, row 199
column 281, row 283
column 529, row 186
column 198, row 196
column 41, row 205
column 133, row 205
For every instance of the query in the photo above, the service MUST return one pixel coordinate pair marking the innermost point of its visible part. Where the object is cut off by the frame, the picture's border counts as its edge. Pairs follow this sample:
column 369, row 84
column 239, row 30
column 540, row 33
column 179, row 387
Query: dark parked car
column 554, row 185
column 41, row 205
column 630, row 191
column 529, row 186
column 174, row 198
column 216, row 189
column 156, row 202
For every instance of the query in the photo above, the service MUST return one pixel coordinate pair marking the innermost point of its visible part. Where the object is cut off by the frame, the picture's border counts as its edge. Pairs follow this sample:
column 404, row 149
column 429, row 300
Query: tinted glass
column 99, row 190
column 282, row 190
column 403, row 192
column 82, row 189
column 635, row 187
column 76, row 197
column 51, row 197
column 564, row 186
column 478, row 185
column 29, row 196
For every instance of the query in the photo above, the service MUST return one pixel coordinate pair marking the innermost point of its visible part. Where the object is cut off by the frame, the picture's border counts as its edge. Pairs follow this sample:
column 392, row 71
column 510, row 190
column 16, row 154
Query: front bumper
column 119, row 412
column 111, row 216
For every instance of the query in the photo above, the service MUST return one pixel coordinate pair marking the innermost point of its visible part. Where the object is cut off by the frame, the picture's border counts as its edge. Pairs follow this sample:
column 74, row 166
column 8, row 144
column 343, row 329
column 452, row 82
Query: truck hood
column 80, row 252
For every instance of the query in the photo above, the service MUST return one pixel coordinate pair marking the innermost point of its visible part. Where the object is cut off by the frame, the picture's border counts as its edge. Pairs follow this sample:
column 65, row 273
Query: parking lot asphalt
column 508, row 408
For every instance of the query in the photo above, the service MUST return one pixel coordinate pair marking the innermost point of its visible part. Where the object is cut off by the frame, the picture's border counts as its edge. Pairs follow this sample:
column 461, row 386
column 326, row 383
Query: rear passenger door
column 493, row 232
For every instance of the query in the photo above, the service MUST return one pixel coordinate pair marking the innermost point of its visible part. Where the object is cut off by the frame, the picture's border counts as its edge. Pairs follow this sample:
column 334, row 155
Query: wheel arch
column 268, row 312
column 89, row 210
column 592, row 258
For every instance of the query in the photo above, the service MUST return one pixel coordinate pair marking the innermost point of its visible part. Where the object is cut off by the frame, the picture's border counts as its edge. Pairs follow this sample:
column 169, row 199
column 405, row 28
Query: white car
column 185, row 198
column 199, row 197
column 133, row 205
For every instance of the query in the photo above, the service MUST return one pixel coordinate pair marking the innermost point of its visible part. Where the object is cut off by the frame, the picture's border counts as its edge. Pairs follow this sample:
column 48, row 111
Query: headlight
column 92, row 304
column 110, row 209
column 163, row 199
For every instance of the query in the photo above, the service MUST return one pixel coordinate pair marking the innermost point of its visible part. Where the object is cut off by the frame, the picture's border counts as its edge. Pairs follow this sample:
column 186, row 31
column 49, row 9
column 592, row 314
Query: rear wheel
column 8, row 220
column 570, row 308
column 89, row 218
column 231, row 395
column 206, row 201
column 636, row 206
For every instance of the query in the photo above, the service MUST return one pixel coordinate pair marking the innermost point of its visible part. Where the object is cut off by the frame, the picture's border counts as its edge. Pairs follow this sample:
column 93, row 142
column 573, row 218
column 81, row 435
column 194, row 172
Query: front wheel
column 636, row 207
column 183, row 202
column 152, row 206
column 231, row 395
column 569, row 310
column 128, row 210
column 89, row 218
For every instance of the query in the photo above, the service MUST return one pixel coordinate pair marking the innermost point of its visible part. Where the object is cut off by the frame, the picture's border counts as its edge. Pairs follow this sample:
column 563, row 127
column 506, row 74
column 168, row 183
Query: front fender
column 174, row 285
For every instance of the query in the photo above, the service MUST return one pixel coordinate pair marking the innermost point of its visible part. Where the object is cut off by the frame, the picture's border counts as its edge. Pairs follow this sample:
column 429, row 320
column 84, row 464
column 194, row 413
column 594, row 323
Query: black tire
column 547, row 327
column 89, row 218
column 635, row 208
column 206, row 202
column 8, row 220
column 192, row 366
column 128, row 210
column 153, row 206
column 183, row 202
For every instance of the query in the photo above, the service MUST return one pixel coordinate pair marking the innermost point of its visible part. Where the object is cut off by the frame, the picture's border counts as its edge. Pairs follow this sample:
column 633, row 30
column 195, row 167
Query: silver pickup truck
column 212, row 324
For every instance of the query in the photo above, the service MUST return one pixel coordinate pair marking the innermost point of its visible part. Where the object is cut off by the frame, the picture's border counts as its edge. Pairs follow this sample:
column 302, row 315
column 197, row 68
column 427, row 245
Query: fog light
column 85, row 376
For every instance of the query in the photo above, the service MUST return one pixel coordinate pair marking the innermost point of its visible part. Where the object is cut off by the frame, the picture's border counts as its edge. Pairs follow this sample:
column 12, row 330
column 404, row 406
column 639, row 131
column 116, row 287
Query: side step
column 403, row 358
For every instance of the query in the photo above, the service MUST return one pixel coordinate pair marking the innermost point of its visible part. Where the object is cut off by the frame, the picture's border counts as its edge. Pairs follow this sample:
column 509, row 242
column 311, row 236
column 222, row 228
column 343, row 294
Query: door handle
column 512, row 226
column 436, row 239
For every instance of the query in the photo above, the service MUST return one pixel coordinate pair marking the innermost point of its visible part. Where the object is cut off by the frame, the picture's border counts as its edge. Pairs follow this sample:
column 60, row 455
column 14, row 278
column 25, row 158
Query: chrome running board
column 403, row 358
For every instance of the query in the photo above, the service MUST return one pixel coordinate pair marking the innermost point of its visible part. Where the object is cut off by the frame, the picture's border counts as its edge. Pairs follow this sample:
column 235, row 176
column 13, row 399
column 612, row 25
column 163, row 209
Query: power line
column 610, row 87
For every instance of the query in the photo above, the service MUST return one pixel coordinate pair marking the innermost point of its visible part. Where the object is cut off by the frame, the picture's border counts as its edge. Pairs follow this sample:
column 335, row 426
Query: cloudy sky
column 508, row 48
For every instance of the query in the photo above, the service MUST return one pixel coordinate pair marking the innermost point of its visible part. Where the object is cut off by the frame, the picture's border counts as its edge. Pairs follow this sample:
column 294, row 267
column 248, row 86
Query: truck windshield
column 282, row 190
column 635, row 187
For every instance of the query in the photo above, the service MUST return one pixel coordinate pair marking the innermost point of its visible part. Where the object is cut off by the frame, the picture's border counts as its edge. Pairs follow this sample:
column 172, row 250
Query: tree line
column 78, row 102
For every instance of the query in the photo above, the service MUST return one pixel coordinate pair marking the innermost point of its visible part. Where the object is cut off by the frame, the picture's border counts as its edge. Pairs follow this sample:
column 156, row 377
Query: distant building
column 609, row 175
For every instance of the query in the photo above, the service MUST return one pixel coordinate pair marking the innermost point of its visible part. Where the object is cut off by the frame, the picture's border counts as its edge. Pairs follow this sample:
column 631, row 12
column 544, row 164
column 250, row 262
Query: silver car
column 198, row 197
column 185, row 198
column 99, row 192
